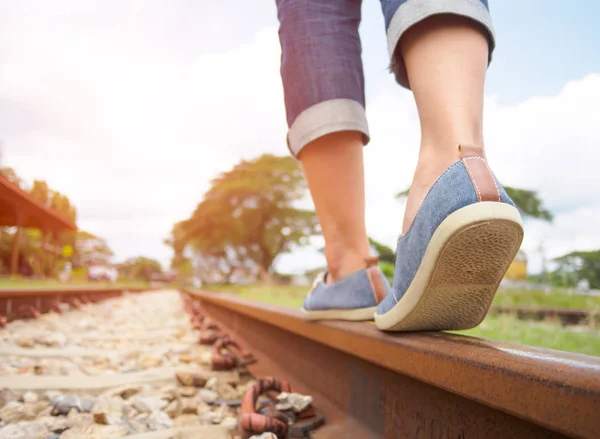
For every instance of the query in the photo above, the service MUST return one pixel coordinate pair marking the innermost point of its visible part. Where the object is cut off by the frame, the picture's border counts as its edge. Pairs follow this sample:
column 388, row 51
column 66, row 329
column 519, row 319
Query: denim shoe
column 451, row 260
column 354, row 297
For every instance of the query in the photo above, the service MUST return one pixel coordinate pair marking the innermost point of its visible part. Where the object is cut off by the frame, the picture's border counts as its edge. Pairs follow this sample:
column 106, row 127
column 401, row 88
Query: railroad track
column 365, row 383
column 565, row 316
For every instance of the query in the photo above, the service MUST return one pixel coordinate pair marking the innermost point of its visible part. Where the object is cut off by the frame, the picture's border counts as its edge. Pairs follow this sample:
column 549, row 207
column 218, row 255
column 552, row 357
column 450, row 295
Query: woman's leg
column 333, row 166
column 446, row 59
column 461, row 230
column 324, row 94
column 440, row 49
column 323, row 80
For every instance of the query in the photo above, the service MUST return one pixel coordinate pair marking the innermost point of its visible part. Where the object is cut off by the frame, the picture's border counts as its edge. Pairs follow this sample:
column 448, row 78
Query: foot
column 450, row 262
column 355, row 297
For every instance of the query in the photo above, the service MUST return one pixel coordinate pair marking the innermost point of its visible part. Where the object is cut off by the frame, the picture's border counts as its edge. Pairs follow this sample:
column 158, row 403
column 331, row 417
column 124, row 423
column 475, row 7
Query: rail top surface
column 16, row 292
column 552, row 388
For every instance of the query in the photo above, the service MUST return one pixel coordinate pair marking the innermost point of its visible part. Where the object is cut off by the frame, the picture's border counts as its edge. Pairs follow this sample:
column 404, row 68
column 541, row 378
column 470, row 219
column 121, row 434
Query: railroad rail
column 431, row 385
column 367, row 384
column 565, row 316
column 21, row 302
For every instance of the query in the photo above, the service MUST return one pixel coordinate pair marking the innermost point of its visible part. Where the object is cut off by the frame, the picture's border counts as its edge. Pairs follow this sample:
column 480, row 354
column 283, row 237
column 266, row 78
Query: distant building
column 518, row 268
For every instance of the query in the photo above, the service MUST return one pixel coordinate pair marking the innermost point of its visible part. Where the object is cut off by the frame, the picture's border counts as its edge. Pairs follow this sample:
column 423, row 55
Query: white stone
column 148, row 404
column 212, row 383
column 267, row 435
column 108, row 410
column 24, row 430
column 158, row 421
column 229, row 423
column 205, row 358
column 208, row 396
column 30, row 397
column 293, row 401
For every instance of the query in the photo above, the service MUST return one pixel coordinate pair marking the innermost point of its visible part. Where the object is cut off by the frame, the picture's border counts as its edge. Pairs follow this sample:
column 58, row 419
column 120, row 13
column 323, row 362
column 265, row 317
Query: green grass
column 291, row 296
column 539, row 298
column 579, row 339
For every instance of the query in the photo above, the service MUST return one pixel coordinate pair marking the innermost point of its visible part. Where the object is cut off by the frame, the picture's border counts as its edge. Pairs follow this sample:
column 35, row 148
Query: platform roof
column 15, row 202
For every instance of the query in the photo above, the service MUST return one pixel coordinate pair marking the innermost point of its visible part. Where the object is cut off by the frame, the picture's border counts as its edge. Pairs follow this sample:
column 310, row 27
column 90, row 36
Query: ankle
column 342, row 262
column 435, row 146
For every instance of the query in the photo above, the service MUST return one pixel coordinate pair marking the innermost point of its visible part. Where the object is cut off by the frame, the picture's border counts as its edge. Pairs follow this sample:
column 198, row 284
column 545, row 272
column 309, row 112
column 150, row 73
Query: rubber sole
column 461, row 270
column 355, row 315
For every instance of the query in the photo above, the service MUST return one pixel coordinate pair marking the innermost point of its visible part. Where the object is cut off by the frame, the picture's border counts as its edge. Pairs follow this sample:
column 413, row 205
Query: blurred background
column 149, row 137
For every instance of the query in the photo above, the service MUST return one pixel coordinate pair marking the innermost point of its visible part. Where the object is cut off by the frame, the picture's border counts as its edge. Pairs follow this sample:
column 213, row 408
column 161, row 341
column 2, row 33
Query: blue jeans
column 321, row 66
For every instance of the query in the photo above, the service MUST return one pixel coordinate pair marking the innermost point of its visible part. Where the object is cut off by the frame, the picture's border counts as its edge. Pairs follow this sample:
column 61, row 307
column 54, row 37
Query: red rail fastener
column 207, row 324
column 254, row 422
column 209, row 337
column 195, row 308
column 74, row 302
column 28, row 311
column 55, row 306
column 197, row 322
column 223, row 358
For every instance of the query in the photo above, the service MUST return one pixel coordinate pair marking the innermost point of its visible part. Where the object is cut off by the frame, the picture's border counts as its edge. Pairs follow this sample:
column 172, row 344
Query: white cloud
column 130, row 107
column 130, row 129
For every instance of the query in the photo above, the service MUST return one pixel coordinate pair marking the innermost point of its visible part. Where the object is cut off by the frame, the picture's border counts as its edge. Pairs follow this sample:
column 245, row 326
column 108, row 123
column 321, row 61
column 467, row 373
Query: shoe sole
column 356, row 315
column 461, row 270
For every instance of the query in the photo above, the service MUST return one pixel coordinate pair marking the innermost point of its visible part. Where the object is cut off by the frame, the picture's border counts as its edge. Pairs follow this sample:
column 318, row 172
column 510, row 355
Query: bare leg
column 446, row 59
column 333, row 165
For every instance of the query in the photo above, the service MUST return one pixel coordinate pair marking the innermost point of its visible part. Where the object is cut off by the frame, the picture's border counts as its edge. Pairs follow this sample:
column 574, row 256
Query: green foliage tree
column 139, row 268
column 61, row 203
column 11, row 175
column 179, row 262
column 40, row 191
column 385, row 253
column 528, row 202
column 249, row 216
column 88, row 249
column 576, row 266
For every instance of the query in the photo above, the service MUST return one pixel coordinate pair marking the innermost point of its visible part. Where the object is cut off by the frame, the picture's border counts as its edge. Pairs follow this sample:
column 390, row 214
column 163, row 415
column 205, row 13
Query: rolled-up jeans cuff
column 325, row 118
column 412, row 12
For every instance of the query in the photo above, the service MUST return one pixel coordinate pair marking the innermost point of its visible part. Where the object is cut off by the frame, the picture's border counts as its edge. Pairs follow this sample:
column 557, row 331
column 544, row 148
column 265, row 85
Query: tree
column 577, row 266
column 40, row 191
column 248, row 216
column 179, row 262
column 385, row 253
column 11, row 175
column 177, row 241
column 140, row 268
column 89, row 249
column 527, row 202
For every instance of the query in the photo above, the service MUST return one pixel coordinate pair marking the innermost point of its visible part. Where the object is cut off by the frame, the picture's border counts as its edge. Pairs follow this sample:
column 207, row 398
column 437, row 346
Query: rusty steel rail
column 375, row 385
column 18, row 303
column 566, row 316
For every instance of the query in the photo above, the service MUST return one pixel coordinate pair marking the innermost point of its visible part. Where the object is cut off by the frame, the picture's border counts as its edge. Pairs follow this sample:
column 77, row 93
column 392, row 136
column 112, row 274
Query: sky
column 130, row 107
